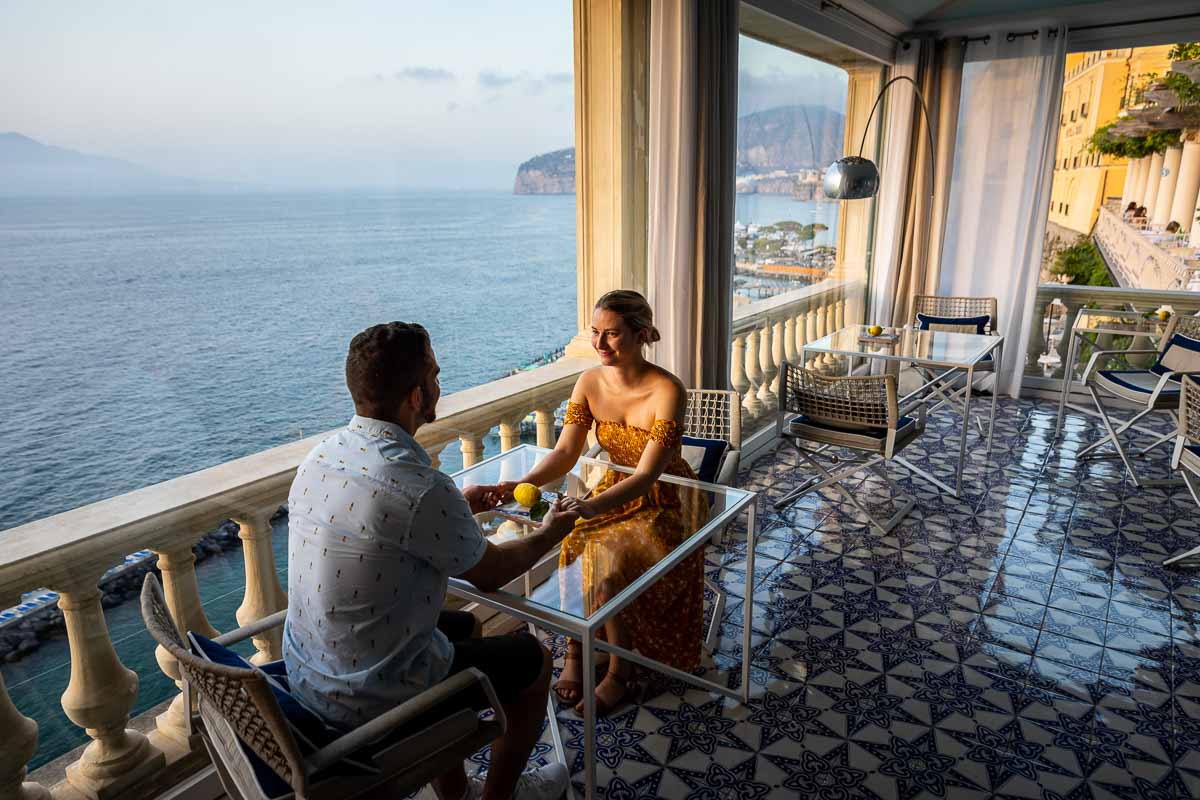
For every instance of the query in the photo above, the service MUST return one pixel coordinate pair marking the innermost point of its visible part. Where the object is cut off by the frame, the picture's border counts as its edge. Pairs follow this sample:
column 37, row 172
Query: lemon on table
column 527, row 494
column 874, row 330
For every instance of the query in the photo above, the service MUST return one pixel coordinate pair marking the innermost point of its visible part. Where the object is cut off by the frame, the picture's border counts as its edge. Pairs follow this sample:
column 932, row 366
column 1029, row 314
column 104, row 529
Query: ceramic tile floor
column 1021, row 642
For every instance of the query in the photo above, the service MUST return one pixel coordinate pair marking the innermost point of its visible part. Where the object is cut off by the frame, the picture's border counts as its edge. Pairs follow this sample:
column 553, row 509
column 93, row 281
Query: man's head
column 392, row 374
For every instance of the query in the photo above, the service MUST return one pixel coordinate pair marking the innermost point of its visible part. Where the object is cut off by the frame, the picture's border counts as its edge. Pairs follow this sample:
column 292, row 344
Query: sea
column 144, row 338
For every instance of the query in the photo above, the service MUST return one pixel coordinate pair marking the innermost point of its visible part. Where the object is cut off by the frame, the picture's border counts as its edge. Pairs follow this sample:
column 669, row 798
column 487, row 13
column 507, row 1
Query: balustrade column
column 264, row 594
column 750, row 402
column 545, row 427
column 801, row 335
column 435, row 455
column 20, row 743
column 510, row 433
column 177, row 564
column 737, row 368
column 472, row 449
column 1153, row 179
column 778, row 337
column 1166, row 186
column 98, row 698
column 789, row 340
column 769, row 369
column 840, row 315
column 1183, row 208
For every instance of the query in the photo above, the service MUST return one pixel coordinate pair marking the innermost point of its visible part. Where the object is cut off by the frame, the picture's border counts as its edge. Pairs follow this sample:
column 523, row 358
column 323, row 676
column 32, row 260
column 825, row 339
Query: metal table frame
column 585, row 629
column 936, row 383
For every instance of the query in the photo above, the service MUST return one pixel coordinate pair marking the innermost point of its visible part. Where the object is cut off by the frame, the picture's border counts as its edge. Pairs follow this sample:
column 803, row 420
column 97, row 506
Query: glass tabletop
column 1102, row 320
column 930, row 347
column 611, row 552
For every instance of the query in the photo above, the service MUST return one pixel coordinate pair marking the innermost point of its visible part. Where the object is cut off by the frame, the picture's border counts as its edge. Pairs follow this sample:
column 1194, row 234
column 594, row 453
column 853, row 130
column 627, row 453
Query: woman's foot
column 612, row 692
column 569, row 686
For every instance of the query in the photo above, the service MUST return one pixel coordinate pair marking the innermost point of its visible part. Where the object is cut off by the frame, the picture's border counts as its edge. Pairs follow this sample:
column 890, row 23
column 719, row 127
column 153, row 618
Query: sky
column 314, row 95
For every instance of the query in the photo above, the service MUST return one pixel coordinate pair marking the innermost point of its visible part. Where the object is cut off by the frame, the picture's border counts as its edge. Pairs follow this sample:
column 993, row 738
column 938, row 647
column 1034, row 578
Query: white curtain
column 1000, row 193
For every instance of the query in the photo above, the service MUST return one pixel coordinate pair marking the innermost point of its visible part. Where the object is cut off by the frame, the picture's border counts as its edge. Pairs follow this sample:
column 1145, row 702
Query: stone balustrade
column 1137, row 259
column 769, row 331
column 68, row 552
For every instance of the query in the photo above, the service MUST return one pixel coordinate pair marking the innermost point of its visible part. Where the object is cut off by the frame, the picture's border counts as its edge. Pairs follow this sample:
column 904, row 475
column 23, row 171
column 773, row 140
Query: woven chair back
column 241, row 697
column 867, row 401
column 939, row 306
column 714, row 414
column 1189, row 409
column 1188, row 326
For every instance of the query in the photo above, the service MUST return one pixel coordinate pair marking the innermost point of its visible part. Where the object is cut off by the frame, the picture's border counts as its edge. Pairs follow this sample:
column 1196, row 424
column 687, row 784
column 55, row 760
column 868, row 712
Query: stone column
column 769, row 367
column 98, row 698
column 264, row 594
column 177, row 564
column 789, row 339
column 612, row 44
column 20, row 743
column 545, row 427
column 1153, row 179
column 1143, row 174
column 472, row 449
column 1166, row 186
column 1130, row 184
column 737, row 367
column 1183, row 207
column 510, row 433
column 754, row 372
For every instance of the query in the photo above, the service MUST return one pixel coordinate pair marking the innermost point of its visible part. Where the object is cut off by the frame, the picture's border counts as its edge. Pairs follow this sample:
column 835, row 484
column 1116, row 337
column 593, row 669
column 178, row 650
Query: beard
column 429, row 411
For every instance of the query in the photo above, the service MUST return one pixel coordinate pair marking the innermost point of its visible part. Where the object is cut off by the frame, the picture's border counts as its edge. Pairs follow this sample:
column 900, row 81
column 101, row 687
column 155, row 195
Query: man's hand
column 482, row 498
column 559, row 521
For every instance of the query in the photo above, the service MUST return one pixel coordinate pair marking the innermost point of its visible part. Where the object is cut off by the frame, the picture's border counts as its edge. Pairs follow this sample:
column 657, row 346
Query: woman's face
column 612, row 339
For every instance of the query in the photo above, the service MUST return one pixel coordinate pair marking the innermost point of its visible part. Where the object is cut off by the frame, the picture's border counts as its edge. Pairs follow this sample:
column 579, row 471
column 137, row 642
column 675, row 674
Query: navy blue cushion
column 1194, row 449
column 1137, row 380
column 874, row 433
column 309, row 729
column 924, row 321
column 714, row 451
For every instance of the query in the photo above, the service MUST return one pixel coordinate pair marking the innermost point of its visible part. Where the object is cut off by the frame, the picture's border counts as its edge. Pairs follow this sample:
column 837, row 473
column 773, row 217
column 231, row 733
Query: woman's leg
column 569, row 686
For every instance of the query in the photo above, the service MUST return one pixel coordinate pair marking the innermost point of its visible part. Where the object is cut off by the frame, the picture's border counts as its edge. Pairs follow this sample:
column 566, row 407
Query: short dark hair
column 385, row 361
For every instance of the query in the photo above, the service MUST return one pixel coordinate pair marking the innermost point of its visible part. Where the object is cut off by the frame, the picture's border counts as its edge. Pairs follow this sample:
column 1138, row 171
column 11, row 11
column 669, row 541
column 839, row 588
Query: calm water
column 145, row 338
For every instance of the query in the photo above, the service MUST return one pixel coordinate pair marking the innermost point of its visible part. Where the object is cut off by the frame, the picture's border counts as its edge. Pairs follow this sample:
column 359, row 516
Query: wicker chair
column 259, row 756
column 1156, row 388
column 712, row 414
column 1186, row 457
column 931, row 305
column 855, row 413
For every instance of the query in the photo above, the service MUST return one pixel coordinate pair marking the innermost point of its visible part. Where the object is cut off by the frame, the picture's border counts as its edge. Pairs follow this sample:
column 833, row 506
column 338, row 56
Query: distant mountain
column 549, row 173
column 28, row 167
column 778, row 139
column 770, row 141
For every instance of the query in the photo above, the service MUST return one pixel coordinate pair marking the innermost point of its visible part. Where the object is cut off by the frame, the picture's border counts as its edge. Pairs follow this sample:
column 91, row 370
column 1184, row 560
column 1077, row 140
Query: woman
column 630, row 522
column 1129, row 211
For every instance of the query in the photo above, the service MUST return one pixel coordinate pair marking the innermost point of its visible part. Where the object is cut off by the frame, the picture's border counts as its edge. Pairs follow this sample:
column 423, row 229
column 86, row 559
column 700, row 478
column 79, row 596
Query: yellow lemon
column 874, row 330
column 527, row 494
column 1164, row 315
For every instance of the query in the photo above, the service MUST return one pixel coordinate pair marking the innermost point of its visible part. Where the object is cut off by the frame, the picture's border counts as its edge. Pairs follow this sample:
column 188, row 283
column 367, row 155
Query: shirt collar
column 366, row 426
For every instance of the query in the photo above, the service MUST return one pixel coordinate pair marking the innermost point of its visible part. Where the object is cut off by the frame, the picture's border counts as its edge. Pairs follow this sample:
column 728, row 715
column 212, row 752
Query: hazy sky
column 308, row 94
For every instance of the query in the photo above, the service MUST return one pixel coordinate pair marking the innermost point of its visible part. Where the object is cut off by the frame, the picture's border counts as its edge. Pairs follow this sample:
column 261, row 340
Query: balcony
column 1145, row 258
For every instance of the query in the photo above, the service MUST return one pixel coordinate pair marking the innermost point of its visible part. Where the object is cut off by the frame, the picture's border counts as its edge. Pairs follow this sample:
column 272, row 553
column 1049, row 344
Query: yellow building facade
column 1097, row 86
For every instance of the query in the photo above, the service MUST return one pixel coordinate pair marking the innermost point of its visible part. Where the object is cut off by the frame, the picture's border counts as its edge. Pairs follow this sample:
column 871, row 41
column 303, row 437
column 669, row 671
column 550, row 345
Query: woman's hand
column 581, row 507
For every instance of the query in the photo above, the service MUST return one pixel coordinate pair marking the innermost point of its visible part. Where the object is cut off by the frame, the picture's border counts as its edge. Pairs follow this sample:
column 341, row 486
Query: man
column 374, row 532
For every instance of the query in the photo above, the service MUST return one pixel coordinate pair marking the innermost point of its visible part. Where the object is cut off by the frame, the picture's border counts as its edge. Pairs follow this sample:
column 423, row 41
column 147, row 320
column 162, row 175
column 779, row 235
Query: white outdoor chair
column 266, row 746
column 957, row 315
column 712, row 445
column 1186, row 457
column 1156, row 388
column 859, row 413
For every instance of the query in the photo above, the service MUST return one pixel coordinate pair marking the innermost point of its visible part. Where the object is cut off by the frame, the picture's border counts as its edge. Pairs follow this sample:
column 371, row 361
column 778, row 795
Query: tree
column 1083, row 264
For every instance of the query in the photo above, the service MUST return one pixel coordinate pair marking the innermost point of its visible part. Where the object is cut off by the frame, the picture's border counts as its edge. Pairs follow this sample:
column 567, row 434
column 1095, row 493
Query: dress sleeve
column 578, row 414
column 666, row 432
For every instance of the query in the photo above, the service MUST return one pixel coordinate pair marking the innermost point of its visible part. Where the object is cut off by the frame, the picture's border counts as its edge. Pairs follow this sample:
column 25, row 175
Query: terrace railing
column 1140, row 259
column 69, row 552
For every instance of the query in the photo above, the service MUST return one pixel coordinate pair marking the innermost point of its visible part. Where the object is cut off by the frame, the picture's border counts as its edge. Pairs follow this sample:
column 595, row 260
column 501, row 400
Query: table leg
column 748, row 602
column 966, row 426
column 589, row 716
column 1067, row 378
column 997, row 360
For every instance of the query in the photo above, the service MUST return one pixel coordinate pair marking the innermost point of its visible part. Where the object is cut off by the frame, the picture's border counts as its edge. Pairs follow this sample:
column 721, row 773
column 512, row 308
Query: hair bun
column 654, row 334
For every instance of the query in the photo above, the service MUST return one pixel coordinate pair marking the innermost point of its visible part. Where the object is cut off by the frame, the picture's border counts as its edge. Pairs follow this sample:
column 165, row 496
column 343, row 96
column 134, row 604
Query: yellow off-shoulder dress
column 618, row 546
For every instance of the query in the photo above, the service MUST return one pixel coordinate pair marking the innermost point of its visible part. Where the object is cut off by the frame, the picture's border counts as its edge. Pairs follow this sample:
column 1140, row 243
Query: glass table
column 555, row 598
column 942, row 357
column 1098, row 322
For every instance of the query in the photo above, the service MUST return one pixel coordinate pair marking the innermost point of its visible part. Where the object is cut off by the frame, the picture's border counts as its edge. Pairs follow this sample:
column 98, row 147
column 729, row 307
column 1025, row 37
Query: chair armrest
column 1094, row 360
column 727, row 474
column 594, row 451
column 253, row 629
column 1158, row 387
column 385, row 723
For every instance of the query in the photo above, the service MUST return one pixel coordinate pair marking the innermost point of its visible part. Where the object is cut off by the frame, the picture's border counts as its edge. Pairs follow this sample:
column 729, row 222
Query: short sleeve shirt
column 374, row 531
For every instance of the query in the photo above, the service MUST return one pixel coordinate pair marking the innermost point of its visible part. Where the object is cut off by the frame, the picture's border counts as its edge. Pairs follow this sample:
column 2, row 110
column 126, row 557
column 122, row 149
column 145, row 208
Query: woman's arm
column 566, row 452
column 670, row 404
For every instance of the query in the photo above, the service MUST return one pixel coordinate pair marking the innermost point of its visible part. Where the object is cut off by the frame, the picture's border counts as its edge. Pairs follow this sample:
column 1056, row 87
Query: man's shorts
column 512, row 662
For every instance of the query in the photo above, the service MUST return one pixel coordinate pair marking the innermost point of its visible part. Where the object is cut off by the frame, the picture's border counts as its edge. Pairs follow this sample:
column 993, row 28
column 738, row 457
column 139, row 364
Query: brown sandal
column 608, row 701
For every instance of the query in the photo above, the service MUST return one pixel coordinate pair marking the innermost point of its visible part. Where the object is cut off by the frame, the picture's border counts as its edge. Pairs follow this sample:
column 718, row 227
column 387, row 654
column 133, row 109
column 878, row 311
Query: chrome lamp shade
column 851, row 178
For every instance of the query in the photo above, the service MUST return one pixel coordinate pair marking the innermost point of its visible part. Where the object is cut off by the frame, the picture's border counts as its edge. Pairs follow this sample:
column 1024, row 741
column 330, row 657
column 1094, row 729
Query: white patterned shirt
column 373, row 533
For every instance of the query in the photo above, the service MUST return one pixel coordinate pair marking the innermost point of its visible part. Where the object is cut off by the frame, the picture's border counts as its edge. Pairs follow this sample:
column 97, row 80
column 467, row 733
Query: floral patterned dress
column 667, row 620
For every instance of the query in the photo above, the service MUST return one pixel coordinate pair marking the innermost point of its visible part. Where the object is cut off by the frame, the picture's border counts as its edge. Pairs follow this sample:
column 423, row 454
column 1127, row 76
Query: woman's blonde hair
column 633, row 310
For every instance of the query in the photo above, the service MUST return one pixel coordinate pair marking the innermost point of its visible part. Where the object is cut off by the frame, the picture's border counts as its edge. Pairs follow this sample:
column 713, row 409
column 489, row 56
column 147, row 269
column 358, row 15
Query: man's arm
column 504, row 562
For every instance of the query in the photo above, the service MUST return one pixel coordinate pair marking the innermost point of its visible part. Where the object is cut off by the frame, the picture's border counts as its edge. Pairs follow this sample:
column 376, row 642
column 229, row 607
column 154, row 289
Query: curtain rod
column 831, row 4
column 1133, row 22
